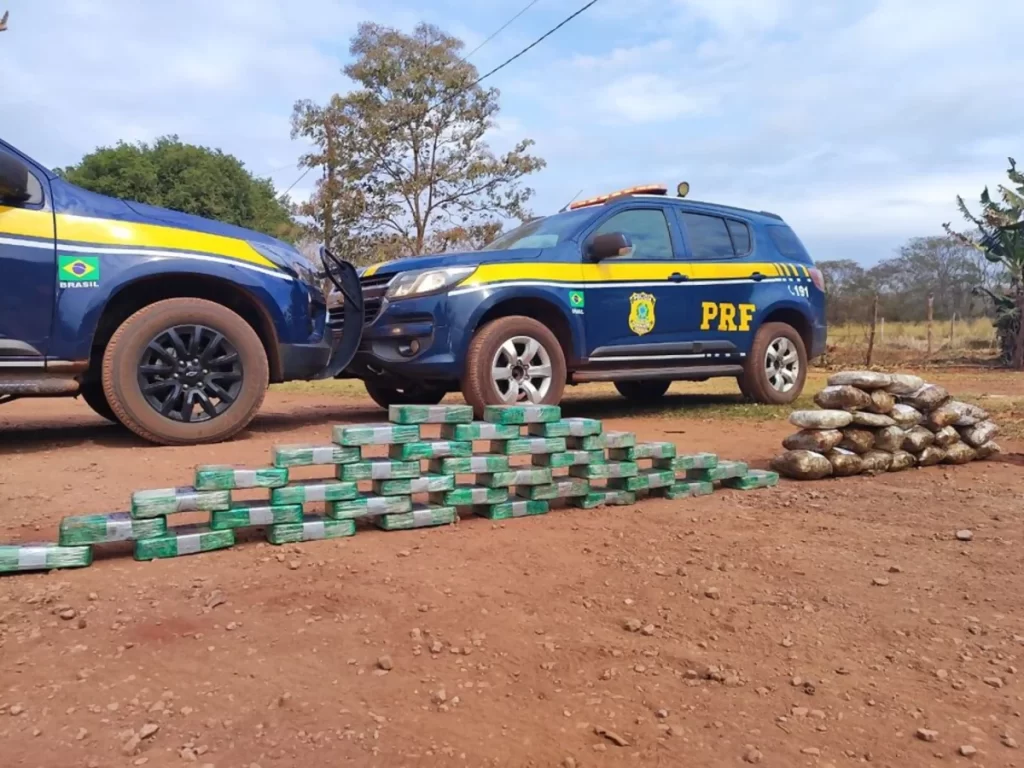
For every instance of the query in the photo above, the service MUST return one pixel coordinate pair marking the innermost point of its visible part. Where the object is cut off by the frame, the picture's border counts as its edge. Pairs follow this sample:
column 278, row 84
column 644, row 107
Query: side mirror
column 608, row 246
column 13, row 179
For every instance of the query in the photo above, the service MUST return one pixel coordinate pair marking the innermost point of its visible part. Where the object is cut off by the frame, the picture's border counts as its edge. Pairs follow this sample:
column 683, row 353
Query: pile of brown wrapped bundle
column 873, row 422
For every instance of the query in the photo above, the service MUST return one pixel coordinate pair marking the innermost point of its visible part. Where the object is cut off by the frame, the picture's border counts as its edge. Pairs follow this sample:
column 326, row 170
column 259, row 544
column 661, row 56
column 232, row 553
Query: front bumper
column 409, row 339
column 304, row 361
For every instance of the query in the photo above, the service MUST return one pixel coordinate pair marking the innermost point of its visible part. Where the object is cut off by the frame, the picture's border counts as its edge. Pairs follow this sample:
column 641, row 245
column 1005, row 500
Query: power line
column 500, row 29
column 528, row 48
column 480, row 79
column 310, row 168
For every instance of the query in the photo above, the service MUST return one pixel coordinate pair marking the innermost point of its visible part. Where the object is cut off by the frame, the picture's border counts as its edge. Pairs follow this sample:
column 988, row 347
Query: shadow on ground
column 52, row 433
column 613, row 407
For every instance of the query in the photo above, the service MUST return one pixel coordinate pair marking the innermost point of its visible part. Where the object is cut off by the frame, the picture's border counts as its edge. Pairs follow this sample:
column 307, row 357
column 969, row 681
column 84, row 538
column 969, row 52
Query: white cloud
column 223, row 73
column 650, row 97
column 737, row 17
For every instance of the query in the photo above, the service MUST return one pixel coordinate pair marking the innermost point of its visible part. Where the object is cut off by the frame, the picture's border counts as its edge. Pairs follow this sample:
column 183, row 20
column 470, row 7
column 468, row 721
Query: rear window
column 740, row 233
column 709, row 236
column 787, row 243
column 713, row 237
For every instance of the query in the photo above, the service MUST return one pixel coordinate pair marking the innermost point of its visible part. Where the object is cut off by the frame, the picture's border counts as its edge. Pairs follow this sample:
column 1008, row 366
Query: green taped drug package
column 368, row 506
column 421, row 516
column 106, row 529
column 313, row 528
column 15, row 558
column 184, row 540
column 218, row 477
column 314, row 490
column 521, row 414
column 430, row 414
column 376, row 434
column 246, row 514
column 312, row 455
column 167, row 501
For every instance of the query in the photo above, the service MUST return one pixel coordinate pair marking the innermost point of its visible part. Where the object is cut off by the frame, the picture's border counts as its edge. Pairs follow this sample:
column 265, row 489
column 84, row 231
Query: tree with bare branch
column 403, row 156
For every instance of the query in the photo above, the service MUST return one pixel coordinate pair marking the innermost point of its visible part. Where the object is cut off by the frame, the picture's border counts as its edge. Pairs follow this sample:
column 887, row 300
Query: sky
column 859, row 121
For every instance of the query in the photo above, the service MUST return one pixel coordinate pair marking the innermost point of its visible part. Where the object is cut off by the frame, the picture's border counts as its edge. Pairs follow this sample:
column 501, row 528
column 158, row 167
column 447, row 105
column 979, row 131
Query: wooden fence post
column 931, row 301
column 881, row 330
column 871, row 337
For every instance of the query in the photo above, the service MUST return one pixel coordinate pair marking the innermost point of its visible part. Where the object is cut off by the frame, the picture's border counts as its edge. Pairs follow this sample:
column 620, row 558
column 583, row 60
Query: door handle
column 757, row 277
column 677, row 277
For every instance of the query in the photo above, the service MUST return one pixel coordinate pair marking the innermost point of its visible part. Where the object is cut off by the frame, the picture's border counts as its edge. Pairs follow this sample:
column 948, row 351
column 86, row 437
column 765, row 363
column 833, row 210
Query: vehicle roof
column 660, row 192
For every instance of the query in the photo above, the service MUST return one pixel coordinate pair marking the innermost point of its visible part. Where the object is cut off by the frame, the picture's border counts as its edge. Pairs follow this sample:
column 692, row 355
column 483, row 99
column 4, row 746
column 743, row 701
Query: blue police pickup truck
column 636, row 288
column 171, row 324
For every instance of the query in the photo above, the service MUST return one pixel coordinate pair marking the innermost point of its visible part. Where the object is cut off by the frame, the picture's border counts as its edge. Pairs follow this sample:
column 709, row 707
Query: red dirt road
column 809, row 625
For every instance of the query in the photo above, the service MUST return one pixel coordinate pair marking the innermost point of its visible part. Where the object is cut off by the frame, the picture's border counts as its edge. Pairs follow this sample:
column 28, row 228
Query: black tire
column 238, row 368
column 757, row 384
column 413, row 394
column 479, row 386
column 640, row 391
column 92, row 393
column 741, row 383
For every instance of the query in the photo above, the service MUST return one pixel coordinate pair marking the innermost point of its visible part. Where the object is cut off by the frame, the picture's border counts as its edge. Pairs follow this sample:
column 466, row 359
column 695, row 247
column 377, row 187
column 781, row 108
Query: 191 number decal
column 800, row 290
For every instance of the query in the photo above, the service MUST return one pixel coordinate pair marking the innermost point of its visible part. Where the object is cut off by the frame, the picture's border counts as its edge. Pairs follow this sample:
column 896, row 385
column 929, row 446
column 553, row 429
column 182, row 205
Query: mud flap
column 345, row 278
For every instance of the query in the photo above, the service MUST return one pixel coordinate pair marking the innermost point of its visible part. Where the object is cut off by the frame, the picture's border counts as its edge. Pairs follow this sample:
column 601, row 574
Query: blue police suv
column 170, row 324
column 637, row 287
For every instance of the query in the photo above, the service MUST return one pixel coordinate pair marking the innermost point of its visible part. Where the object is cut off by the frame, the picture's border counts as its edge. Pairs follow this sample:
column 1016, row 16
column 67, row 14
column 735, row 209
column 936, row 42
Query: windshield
column 542, row 233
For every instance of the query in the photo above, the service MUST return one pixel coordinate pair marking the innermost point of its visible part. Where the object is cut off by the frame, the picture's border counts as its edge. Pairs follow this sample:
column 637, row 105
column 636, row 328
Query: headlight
column 426, row 281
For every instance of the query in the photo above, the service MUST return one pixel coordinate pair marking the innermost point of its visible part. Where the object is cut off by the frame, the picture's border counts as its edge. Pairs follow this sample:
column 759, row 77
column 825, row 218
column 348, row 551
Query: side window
column 740, row 236
column 35, row 190
column 32, row 184
column 709, row 236
column 646, row 228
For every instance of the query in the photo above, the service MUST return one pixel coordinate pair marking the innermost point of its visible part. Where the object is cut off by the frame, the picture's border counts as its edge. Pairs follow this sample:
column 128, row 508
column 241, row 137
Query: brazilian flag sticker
column 576, row 299
column 78, row 271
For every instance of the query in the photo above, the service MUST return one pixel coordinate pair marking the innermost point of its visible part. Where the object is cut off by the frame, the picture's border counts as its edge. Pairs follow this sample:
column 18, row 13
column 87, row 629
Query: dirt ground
column 817, row 624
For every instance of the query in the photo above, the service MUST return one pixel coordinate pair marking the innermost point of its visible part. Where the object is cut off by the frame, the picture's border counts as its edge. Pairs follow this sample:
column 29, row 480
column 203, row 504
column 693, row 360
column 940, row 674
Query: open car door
column 345, row 279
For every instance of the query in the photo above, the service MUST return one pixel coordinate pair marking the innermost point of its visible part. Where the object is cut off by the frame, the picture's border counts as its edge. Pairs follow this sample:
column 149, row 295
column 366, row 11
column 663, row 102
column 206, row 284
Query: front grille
column 374, row 288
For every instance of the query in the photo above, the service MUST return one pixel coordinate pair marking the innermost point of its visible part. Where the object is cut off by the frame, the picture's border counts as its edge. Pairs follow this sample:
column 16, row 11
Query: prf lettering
column 731, row 317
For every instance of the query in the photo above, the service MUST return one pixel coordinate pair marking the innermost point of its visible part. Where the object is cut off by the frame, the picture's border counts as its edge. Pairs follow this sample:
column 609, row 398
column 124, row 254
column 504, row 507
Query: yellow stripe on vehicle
column 18, row 221
column 725, row 270
column 94, row 231
column 622, row 271
column 807, row 272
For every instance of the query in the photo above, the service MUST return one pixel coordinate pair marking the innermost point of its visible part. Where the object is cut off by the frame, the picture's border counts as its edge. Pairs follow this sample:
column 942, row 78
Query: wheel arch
column 130, row 297
column 794, row 317
column 539, row 307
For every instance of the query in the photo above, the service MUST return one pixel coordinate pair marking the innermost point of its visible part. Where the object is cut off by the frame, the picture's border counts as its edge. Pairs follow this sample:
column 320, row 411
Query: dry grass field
column 959, row 341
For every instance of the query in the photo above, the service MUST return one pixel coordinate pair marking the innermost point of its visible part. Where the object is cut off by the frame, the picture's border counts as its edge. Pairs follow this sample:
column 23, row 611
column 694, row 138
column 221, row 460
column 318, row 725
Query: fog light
column 408, row 349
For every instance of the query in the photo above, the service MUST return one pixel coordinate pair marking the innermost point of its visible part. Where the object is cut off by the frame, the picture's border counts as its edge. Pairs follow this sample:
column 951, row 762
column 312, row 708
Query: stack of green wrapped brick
column 572, row 459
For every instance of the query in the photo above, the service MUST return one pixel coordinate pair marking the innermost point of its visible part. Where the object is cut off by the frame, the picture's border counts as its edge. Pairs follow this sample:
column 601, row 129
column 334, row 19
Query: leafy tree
column 1000, row 237
column 403, row 155
column 184, row 177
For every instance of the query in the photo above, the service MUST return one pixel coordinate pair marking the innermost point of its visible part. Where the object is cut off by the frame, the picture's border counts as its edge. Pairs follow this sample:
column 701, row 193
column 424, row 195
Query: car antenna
column 564, row 208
